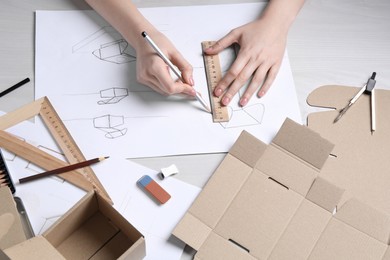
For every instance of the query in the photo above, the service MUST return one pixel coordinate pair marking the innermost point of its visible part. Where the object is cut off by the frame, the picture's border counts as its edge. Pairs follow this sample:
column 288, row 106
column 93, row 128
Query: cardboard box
column 11, row 229
column 92, row 229
column 267, row 202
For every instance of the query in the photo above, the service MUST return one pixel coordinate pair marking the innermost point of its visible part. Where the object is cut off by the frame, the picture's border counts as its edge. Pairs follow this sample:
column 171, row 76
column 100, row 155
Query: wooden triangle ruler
column 214, row 75
column 83, row 178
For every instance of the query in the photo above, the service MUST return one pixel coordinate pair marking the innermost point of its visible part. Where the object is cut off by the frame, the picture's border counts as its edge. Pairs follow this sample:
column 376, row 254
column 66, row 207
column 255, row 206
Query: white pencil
column 173, row 68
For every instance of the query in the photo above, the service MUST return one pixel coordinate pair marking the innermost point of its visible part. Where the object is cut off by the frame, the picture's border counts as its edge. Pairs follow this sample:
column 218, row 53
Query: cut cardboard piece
column 268, row 202
column 35, row 248
column 361, row 162
column 11, row 228
column 92, row 229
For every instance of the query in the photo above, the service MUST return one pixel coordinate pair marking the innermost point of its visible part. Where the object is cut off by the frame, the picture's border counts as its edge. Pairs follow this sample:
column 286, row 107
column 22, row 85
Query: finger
column 257, row 79
column 231, row 75
column 270, row 78
column 222, row 43
column 184, row 66
column 164, row 80
column 170, row 87
column 239, row 82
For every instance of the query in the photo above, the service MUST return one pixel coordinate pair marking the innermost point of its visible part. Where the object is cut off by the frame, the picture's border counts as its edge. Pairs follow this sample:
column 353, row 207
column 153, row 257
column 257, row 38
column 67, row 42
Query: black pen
column 173, row 68
column 8, row 90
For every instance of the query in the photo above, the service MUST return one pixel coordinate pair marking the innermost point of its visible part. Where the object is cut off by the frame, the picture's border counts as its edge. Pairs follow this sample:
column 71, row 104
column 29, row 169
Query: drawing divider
column 67, row 168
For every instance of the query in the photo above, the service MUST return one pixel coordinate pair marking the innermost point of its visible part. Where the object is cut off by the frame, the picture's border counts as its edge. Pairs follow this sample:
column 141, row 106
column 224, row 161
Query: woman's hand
column 261, row 53
column 153, row 72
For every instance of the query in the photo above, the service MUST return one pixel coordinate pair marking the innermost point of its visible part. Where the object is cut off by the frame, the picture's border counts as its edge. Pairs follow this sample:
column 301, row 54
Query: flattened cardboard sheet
column 361, row 162
column 280, row 207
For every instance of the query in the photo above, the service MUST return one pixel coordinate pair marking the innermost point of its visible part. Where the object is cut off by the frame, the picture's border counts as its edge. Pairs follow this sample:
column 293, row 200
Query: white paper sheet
column 88, row 72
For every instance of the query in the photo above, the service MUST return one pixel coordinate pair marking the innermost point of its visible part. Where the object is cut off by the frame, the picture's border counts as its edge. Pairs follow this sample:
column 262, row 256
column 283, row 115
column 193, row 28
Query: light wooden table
column 331, row 42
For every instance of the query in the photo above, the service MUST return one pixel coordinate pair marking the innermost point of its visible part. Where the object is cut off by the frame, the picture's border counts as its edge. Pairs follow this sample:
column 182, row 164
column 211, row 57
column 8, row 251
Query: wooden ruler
column 214, row 75
column 83, row 178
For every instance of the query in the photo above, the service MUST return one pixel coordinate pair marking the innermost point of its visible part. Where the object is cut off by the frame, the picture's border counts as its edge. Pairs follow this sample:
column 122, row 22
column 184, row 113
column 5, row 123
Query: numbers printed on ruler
column 66, row 142
column 214, row 75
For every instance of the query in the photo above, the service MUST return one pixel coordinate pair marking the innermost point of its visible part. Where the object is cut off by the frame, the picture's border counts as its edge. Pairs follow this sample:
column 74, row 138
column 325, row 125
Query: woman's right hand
column 155, row 73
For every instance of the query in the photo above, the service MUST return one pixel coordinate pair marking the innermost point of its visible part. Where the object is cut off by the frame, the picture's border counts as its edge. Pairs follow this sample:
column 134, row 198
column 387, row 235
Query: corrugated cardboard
column 361, row 162
column 268, row 202
column 11, row 229
column 92, row 229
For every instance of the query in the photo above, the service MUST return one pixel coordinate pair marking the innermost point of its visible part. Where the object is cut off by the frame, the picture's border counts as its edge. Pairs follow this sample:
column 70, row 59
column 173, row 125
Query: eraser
column 168, row 171
column 154, row 189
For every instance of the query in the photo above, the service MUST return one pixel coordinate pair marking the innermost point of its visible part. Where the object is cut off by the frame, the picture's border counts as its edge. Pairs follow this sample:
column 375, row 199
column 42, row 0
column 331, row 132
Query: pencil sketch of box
column 110, row 125
column 112, row 95
column 107, row 45
column 114, row 52
column 244, row 116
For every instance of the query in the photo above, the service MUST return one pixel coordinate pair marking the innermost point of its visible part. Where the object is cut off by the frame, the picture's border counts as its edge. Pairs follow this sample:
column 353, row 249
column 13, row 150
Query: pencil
column 173, row 68
column 68, row 168
column 8, row 90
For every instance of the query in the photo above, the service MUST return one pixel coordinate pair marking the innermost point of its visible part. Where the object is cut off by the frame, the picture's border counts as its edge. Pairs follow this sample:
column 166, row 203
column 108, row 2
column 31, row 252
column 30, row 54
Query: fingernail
column 243, row 102
column 261, row 94
column 218, row 92
column 208, row 49
column 225, row 101
column 192, row 81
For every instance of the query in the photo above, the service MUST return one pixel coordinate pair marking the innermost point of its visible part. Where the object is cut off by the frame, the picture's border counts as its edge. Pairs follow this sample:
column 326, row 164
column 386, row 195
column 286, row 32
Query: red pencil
column 63, row 169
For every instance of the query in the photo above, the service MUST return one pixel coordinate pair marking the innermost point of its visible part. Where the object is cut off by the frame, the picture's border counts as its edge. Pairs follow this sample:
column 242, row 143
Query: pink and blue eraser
column 154, row 189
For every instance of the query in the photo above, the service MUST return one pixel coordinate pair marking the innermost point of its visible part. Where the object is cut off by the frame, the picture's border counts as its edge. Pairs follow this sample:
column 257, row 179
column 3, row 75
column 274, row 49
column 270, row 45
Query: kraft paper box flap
column 360, row 163
column 193, row 231
column 36, row 248
column 365, row 219
column 302, row 151
column 325, row 194
column 11, row 228
column 342, row 241
column 291, row 136
column 248, row 149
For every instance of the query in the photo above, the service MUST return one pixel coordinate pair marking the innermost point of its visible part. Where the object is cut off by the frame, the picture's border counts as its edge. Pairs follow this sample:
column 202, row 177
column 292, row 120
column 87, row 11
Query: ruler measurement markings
column 214, row 75
column 68, row 145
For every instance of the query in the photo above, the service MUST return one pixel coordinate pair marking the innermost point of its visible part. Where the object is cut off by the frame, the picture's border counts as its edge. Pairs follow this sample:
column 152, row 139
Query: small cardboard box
column 11, row 229
column 267, row 202
column 92, row 229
